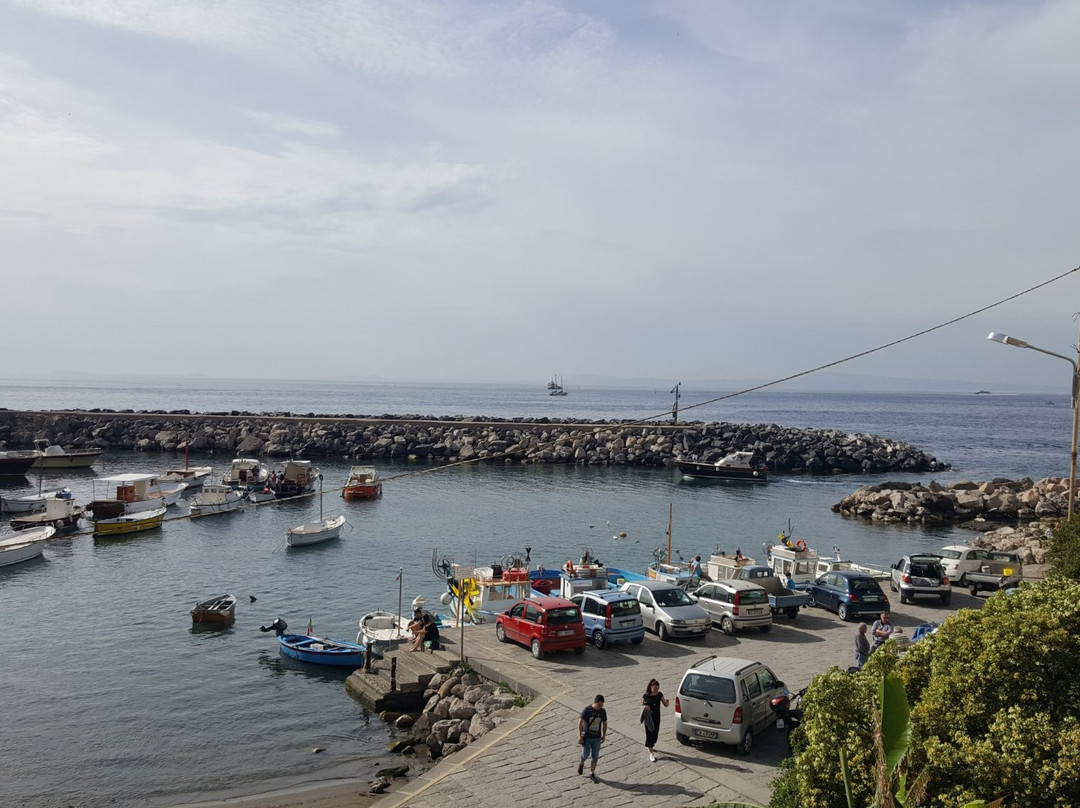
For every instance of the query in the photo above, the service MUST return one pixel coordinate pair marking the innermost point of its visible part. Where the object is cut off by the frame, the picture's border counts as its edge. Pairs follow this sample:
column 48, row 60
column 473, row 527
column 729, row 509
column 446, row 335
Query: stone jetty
column 480, row 439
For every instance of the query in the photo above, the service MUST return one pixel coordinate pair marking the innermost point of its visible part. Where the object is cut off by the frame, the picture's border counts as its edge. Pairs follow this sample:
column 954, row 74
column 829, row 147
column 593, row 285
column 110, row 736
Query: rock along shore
column 443, row 440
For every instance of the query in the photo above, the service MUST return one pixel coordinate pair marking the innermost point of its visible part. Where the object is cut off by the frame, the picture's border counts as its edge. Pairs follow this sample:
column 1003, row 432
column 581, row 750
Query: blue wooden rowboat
column 321, row 651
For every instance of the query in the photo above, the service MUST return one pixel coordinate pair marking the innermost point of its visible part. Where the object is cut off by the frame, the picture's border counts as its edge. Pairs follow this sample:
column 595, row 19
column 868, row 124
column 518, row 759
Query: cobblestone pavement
column 534, row 756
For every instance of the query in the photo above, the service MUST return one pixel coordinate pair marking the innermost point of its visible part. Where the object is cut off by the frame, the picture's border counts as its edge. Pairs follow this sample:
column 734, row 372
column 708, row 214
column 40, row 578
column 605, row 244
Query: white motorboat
column 192, row 476
column 247, row 472
column 382, row 631
column 24, row 546
column 134, row 493
column 217, row 499
column 31, row 503
column 733, row 466
column 60, row 513
column 57, row 457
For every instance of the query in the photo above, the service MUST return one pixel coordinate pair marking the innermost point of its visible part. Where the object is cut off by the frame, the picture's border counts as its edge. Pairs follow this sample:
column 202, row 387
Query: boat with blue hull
column 316, row 650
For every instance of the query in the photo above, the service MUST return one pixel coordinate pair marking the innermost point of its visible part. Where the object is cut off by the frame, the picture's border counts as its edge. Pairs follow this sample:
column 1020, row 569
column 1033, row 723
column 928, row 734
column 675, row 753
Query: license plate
column 626, row 622
column 779, row 723
column 753, row 612
column 706, row 733
column 567, row 632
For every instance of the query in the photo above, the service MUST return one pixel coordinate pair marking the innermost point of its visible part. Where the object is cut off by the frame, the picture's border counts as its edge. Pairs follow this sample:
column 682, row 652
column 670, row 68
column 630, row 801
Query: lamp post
column 1005, row 339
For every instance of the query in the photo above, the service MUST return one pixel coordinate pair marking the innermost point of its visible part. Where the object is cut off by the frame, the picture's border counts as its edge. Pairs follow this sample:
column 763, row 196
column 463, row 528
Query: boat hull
column 319, row 651
column 315, row 532
column 353, row 492
column 710, row 471
column 68, row 460
column 24, row 546
column 16, row 464
column 218, row 610
column 68, row 521
column 129, row 523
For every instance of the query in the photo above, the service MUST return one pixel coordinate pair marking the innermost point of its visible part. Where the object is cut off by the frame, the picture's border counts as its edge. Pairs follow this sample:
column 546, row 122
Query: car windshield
column 995, row 555
column 953, row 554
column 710, row 688
column 672, row 597
column 751, row 596
column 625, row 607
column 563, row 616
column 863, row 586
column 925, row 571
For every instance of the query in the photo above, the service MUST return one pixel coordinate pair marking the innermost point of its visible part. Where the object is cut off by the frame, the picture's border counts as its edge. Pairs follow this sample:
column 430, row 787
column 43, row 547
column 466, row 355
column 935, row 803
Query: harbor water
column 113, row 698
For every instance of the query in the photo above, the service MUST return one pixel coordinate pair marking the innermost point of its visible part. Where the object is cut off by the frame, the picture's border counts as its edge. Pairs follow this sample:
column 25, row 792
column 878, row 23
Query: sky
column 503, row 191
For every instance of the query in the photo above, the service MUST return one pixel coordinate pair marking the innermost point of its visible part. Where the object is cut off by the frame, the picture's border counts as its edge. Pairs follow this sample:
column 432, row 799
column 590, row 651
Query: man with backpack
column 592, row 731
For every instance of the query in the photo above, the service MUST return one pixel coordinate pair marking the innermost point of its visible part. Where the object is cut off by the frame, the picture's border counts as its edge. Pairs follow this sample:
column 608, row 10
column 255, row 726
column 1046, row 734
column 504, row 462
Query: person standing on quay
column 862, row 646
column 882, row 630
column 650, row 715
column 592, row 731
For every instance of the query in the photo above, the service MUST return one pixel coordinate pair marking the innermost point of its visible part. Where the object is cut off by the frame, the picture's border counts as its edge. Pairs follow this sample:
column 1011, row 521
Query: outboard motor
column 788, row 713
column 279, row 626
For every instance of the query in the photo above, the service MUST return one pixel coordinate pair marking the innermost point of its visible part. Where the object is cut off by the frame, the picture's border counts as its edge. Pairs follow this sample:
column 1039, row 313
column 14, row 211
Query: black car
column 848, row 593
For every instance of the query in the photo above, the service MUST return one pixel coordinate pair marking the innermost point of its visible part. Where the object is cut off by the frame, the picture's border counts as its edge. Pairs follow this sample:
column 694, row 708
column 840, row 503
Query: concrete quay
column 534, row 756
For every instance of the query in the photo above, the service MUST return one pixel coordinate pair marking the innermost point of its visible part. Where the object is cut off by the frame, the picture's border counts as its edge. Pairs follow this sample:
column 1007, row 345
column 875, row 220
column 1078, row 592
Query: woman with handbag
column 650, row 715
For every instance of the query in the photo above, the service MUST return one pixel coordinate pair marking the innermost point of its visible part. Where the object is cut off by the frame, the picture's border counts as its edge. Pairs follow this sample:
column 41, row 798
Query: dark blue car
column 848, row 593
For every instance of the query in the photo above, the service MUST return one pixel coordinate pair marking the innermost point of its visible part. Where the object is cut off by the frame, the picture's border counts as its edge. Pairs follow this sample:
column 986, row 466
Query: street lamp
column 1005, row 339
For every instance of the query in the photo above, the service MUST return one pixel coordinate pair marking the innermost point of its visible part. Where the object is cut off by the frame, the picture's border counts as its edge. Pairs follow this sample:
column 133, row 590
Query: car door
column 532, row 623
column 648, row 606
column 512, row 622
column 825, row 591
column 770, row 686
column 758, row 701
column 708, row 598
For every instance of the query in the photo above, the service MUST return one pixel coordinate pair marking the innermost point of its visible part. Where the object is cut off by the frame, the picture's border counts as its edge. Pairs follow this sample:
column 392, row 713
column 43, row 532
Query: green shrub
column 1063, row 554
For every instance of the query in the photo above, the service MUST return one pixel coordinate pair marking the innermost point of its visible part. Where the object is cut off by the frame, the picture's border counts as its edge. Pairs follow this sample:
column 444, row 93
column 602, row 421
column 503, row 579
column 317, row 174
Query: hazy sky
column 505, row 190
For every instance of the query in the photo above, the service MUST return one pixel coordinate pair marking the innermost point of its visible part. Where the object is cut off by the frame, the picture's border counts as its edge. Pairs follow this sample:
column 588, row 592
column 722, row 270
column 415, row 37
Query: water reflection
column 280, row 665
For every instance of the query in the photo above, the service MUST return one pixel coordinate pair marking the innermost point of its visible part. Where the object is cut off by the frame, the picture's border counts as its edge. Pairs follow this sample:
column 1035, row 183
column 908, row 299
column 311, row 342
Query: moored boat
column 17, row 463
column 315, row 532
column 193, row 476
column 134, row 493
column 220, row 609
column 733, row 466
column 382, row 631
column 61, row 513
column 363, row 483
column 316, row 650
column 31, row 503
column 129, row 523
column 54, row 456
column 298, row 477
column 217, row 499
column 24, row 546
column 247, row 472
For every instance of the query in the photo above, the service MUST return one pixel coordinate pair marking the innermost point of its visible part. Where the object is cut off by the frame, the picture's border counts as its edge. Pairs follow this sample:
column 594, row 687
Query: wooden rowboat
column 220, row 609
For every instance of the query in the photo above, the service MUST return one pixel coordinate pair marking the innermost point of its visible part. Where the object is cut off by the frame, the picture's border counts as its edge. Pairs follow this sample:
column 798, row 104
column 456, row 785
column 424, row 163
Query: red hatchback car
column 544, row 624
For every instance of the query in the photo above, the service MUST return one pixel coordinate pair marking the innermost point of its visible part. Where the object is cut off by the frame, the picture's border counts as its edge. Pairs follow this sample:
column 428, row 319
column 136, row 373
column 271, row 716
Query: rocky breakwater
column 1031, row 509
column 443, row 440
column 461, row 706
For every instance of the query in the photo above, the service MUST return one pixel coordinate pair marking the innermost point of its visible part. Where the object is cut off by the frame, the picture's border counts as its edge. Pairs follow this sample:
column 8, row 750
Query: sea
column 112, row 698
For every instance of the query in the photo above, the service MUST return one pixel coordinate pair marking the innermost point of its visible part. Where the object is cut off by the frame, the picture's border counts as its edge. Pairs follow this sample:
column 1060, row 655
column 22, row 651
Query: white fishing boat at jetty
column 315, row 532
column 477, row 594
column 217, row 499
column 61, row 513
column 57, row 457
column 664, row 569
column 193, row 476
column 134, row 493
column 247, row 472
column 31, row 503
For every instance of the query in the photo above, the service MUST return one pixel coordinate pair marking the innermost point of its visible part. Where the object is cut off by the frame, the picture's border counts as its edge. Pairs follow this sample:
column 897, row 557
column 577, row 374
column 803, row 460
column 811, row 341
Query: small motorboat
column 216, row 498
column 363, row 483
column 382, row 631
column 17, row 463
column 31, row 503
column 57, row 457
column 316, row 650
column 24, row 546
column 60, row 513
column 297, row 478
column 194, row 476
column 129, row 523
column 733, row 466
column 220, row 610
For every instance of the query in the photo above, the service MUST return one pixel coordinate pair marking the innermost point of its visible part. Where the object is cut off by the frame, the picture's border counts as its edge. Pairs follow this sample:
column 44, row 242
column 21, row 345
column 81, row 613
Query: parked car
column 735, row 604
column 725, row 700
column 958, row 559
column 544, row 625
column 848, row 593
column 920, row 575
column 668, row 610
column 610, row 615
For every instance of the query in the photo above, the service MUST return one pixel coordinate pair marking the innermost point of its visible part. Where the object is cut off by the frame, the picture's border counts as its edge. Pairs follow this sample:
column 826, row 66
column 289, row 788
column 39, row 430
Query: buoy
column 800, row 545
column 622, row 534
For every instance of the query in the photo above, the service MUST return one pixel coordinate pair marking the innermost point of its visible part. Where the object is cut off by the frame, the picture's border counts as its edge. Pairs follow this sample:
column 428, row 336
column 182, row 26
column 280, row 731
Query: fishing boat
column 61, row 513
column 133, row 494
column 193, row 476
column 17, row 463
column 296, row 479
column 477, row 594
column 31, row 503
column 316, row 650
column 220, row 610
column 556, row 388
column 216, row 498
column 664, row 569
column 733, row 466
column 363, row 483
column 382, row 631
column 24, row 546
column 315, row 532
column 129, row 523
column 54, row 456
column 247, row 472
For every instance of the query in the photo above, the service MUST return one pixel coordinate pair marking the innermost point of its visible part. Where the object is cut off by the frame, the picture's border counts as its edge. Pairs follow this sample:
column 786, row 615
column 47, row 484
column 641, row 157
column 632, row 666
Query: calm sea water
column 111, row 697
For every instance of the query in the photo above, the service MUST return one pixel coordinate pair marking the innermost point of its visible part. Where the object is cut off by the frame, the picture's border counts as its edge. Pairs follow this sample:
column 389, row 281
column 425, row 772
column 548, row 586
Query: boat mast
column 669, row 508
column 397, row 625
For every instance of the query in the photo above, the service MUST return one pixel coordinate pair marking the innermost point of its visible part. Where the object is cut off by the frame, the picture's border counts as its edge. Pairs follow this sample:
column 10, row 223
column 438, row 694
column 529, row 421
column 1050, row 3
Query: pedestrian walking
column 862, row 646
column 650, row 715
column 592, row 731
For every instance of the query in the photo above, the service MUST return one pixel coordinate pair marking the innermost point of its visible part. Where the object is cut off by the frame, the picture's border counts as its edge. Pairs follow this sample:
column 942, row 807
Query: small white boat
column 217, row 499
column 24, row 546
column 134, row 493
column 31, row 503
column 61, row 513
column 193, row 476
column 382, row 631
column 57, row 457
column 247, row 472
column 315, row 532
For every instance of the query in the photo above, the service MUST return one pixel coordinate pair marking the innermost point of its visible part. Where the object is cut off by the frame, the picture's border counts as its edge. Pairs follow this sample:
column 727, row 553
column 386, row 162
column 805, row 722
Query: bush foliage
column 1064, row 550
column 993, row 694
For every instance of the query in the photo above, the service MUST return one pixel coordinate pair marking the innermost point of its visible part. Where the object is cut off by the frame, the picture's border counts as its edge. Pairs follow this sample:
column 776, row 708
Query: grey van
column 725, row 700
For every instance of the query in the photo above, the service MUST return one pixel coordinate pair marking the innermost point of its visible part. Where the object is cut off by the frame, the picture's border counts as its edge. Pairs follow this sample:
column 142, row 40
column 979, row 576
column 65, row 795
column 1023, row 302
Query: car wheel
column 727, row 626
column 841, row 611
column 764, row 629
column 537, row 651
column 598, row 638
column 746, row 743
column 500, row 633
column 946, row 598
column 962, row 580
column 892, row 584
column 683, row 739
column 813, row 600
column 637, row 640
column 903, row 597
column 793, row 612
column 661, row 631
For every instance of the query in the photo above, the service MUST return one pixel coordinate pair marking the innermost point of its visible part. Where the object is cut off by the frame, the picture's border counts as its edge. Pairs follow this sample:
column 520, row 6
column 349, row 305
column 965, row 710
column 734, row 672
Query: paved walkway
column 534, row 756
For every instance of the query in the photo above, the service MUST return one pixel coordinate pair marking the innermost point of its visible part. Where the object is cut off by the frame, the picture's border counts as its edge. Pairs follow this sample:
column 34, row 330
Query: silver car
column 735, row 605
column 668, row 610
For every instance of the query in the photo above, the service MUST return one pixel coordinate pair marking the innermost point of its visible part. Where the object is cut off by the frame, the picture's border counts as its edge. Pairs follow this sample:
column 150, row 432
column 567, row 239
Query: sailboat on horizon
column 555, row 387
